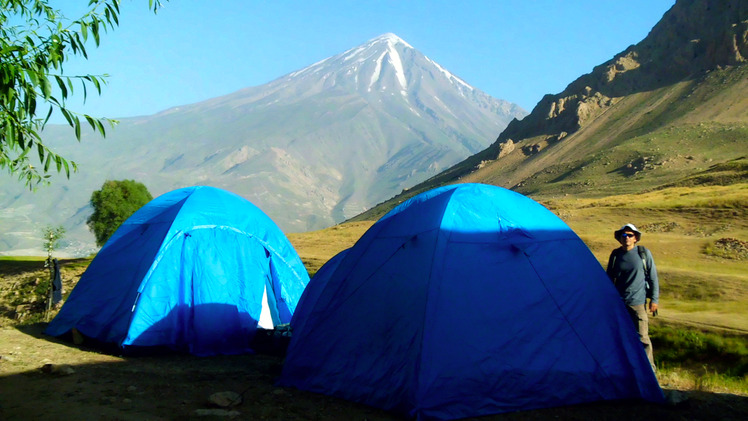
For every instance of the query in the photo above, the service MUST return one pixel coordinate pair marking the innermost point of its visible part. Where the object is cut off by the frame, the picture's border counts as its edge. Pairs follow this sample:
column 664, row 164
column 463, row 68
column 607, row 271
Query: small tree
column 113, row 204
column 51, row 237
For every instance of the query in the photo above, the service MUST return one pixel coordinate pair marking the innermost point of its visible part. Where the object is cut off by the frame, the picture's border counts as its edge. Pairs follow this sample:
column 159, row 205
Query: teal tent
column 465, row 301
column 197, row 269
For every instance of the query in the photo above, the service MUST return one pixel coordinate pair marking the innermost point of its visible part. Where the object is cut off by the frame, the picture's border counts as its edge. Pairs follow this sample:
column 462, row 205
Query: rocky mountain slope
column 311, row 148
column 666, row 110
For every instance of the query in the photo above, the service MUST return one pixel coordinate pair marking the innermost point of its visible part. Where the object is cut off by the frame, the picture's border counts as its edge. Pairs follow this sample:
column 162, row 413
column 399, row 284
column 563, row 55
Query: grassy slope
column 680, row 225
column 644, row 141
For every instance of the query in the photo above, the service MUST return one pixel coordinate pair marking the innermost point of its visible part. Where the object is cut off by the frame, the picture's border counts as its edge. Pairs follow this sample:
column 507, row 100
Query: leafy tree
column 113, row 204
column 35, row 41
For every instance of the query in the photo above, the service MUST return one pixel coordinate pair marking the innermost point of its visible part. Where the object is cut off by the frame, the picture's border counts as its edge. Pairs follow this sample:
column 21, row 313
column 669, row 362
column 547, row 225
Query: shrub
column 694, row 349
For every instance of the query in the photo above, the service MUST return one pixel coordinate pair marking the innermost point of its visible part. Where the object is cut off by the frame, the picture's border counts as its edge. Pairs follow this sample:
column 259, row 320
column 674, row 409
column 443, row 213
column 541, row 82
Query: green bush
column 113, row 204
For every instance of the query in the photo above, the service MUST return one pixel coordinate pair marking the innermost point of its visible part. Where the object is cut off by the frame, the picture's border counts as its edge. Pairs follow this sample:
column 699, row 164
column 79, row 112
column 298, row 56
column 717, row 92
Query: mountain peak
column 376, row 64
column 389, row 38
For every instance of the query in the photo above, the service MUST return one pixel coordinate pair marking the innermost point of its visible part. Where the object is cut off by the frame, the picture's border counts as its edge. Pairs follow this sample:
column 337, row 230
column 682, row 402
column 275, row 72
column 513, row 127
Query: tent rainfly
column 197, row 269
column 464, row 301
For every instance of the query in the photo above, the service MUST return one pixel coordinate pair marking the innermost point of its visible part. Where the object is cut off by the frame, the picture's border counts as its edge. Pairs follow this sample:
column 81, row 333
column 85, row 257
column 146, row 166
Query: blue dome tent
column 196, row 269
column 464, row 301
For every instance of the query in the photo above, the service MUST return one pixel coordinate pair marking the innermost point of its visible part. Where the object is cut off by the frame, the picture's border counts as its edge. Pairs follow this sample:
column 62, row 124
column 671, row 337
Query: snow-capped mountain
column 311, row 148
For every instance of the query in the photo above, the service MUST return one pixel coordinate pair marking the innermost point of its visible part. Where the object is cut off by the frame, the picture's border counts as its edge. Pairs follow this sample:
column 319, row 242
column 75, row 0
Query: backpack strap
column 611, row 265
column 647, row 283
column 643, row 255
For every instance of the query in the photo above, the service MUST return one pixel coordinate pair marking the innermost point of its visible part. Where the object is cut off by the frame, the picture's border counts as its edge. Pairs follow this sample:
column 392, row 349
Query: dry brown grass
column 317, row 247
column 678, row 225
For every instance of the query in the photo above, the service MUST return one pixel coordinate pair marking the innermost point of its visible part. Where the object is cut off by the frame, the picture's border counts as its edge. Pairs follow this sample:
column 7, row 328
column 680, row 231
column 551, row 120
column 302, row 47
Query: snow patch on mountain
column 450, row 76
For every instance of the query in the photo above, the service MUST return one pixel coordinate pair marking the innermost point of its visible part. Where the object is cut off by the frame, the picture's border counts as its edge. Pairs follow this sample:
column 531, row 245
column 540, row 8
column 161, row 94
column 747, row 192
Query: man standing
column 632, row 270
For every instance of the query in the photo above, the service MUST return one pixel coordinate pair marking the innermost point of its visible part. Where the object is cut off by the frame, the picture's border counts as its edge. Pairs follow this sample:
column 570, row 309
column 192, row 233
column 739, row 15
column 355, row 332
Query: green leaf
column 84, row 30
column 66, row 114
column 96, row 83
column 21, row 139
column 61, row 84
column 32, row 77
column 77, row 128
column 100, row 128
column 10, row 134
column 49, row 113
column 95, row 30
column 45, row 86
column 91, row 121
column 114, row 9
column 10, row 49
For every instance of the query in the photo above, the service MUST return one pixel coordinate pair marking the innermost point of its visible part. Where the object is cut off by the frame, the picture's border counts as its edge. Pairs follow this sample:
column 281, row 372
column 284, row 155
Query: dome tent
column 463, row 301
column 193, row 270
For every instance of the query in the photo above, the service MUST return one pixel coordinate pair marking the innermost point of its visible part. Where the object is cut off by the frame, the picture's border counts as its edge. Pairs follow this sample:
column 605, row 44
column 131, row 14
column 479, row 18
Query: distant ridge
column 310, row 148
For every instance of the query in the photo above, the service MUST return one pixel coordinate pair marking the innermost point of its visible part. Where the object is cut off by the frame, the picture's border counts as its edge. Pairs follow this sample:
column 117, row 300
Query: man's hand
column 653, row 308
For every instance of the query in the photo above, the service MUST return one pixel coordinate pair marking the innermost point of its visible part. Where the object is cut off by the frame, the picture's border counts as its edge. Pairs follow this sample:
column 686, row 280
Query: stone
column 506, row 148
column 225, row 399
column 675, row 397
column 58, row 369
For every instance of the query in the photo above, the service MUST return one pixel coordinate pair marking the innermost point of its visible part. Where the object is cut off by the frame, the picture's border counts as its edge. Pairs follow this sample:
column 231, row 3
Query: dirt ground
column 46, row 378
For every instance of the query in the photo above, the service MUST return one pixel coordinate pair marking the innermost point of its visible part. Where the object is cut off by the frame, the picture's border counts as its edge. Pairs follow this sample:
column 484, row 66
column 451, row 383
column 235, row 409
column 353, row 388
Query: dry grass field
column 698, row 237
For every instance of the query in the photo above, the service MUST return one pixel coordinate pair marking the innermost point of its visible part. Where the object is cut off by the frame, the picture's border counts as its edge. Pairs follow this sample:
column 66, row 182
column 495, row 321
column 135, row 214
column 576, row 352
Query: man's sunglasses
column 625, row 235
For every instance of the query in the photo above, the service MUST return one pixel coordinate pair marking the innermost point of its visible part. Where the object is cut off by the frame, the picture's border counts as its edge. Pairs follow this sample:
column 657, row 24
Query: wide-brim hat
column 629, row 227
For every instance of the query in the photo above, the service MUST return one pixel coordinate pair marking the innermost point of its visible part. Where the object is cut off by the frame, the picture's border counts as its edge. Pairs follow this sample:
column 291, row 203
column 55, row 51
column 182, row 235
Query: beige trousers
column 641, row 322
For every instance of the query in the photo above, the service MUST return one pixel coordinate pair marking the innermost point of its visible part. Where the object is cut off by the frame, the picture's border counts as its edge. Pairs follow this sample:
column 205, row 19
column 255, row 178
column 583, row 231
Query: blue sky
column 194, row 50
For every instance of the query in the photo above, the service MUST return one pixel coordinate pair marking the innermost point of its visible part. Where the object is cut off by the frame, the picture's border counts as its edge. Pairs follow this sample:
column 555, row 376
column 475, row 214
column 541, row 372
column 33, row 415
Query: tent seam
column 566, row 319
column 419, row 369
